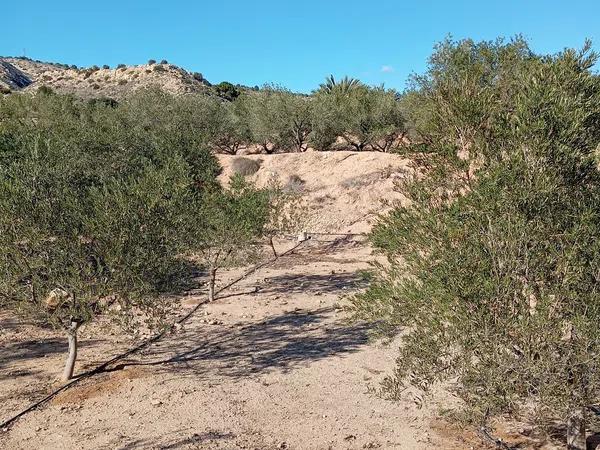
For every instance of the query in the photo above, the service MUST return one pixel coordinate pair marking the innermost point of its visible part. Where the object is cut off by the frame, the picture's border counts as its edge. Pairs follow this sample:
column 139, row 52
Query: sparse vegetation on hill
column 344, row 114
column 115, row 83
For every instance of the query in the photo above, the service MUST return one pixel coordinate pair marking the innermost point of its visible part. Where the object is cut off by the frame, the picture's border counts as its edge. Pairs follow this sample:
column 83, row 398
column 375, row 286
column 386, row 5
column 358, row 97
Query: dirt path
column 272, row 364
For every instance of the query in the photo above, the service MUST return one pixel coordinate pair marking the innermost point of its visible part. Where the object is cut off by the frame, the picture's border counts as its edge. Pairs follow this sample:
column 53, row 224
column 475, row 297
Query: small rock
column 155, row 402
column 282, row 445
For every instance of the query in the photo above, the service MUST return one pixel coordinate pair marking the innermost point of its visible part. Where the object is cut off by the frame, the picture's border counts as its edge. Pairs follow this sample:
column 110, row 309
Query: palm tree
column 342, row 86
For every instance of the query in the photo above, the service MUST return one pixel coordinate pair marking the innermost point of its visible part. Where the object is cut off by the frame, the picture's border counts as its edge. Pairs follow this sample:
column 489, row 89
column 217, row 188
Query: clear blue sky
column 293, row 43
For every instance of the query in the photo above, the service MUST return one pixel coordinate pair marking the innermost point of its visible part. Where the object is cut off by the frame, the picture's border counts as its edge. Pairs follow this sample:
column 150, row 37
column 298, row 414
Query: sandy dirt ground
column 272, row 364
column 343, row 191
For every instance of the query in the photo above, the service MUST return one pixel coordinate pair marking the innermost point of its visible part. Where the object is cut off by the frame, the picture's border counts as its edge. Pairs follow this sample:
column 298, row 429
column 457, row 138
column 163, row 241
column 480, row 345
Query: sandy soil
column 271, row 364
column 344, row 191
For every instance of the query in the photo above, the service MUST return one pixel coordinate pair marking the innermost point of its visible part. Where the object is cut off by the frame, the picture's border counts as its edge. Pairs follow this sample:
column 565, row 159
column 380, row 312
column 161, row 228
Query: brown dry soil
column 271, row 364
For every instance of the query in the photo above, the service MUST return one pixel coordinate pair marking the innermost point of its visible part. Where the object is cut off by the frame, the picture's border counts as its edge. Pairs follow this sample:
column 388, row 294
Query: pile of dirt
column 343, row 191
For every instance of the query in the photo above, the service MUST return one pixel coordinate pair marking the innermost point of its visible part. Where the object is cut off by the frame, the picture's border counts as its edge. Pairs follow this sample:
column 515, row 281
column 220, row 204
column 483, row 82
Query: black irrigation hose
column 7, row 423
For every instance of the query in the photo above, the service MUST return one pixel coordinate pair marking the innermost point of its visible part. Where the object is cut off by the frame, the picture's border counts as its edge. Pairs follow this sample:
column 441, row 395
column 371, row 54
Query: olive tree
column 95, row 203
column 231, row 130
column 232, row 221
column 494, row 277
column 277, row 118
column 366, row 118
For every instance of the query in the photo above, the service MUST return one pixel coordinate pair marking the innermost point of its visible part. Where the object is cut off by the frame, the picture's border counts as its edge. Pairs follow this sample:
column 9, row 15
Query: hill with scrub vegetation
column 26, row 75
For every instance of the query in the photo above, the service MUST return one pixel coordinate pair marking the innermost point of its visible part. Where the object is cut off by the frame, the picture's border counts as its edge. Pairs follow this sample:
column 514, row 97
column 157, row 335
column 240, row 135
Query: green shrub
column 151, row 62
column 494, row 266
column 232, row 219
column 164, row 61
column 366, row 118
column 227, row 90
column 106, row 66
column 229, row 130
column 45, row 90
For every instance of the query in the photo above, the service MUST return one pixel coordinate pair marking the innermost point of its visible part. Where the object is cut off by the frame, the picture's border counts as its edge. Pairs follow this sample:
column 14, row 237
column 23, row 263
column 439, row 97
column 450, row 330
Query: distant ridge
column 24, row 75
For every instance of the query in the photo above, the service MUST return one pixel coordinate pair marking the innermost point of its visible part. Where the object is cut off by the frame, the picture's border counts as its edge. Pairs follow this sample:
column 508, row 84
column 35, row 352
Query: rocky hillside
column 20, row 74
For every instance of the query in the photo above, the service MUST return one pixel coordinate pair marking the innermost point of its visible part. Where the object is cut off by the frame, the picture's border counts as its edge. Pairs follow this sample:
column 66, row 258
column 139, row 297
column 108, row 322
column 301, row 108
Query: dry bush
column 295, row 184
column 245, row 166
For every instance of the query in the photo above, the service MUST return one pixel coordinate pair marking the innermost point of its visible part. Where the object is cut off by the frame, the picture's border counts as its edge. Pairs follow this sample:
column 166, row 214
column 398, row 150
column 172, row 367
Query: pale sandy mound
column 344, row 191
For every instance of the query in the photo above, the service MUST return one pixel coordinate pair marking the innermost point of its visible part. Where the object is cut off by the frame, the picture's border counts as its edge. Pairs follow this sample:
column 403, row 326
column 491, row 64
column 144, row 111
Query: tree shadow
column 24, row 351
column 280, row 343
column 196, row 440
column 311, row 284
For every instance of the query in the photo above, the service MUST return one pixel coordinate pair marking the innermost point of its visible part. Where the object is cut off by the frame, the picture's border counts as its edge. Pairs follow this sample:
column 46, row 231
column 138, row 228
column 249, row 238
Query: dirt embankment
column 343, row 191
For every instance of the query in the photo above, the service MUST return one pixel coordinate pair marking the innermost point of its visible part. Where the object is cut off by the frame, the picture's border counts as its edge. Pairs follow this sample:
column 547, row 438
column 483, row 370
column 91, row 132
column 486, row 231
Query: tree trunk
column 576, row 439
column 273, row 246
column 70, row 364
column 211, row 284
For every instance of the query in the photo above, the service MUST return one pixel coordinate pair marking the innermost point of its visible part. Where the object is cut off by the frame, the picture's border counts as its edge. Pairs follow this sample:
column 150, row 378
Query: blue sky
column 293, row 43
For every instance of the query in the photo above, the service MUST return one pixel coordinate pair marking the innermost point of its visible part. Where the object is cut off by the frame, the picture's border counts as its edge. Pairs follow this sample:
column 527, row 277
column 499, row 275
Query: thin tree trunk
column 273, row 246
column 576, row 439
column 211, row 284
column 71, row 358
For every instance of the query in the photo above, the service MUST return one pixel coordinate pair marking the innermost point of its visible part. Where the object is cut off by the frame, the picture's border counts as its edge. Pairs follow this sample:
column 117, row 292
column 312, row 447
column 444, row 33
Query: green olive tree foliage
column 233, row 219
column 366, row 118
column 190, row 122
column 465, row 94
column 98, row 206
column 278, row 119
column 231, row 131
column 494, row 269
